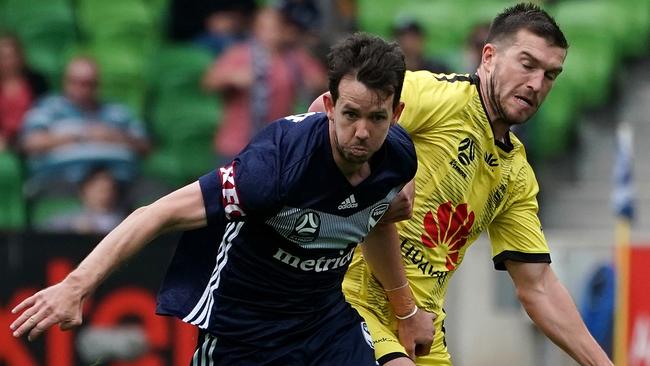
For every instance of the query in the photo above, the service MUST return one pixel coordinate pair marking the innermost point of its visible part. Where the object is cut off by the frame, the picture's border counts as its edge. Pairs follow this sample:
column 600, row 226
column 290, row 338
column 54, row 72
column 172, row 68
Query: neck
column 500, row 127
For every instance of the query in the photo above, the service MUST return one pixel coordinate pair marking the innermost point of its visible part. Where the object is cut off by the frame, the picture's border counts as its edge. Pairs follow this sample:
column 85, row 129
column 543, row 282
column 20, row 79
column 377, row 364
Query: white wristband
column 410, row 315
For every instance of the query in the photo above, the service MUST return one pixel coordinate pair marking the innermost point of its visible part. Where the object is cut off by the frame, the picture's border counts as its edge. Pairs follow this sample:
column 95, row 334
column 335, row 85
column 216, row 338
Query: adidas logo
column 349, row 202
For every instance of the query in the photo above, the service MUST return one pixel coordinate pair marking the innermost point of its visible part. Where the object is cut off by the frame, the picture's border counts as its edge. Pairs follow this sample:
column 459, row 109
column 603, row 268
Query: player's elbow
column 318, row 105
column 529, row 296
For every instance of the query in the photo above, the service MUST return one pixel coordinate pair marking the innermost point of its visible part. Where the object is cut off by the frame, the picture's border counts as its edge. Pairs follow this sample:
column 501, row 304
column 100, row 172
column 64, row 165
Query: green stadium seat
column 121, row 74
column 377, row 16
column 589, row 68
column 45, row 209
column 128, row 22
column 175, row 67
column 46, row 29
column 600, row 20
column 12, row 204
column 182, row 118
column 637, row 13
column 554, row 125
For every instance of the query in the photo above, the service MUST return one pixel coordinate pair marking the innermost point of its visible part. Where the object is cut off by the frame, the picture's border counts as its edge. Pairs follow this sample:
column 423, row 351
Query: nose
column 536, row 81
column 361, row 132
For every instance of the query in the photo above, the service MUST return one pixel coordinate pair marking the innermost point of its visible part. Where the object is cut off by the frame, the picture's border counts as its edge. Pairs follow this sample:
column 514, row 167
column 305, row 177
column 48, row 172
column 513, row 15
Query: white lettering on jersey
column 299, row 117
column 229, row 193
column 321, row 264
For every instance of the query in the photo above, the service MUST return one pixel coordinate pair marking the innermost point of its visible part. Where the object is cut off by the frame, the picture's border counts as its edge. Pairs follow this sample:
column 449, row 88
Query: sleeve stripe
column 499, row 259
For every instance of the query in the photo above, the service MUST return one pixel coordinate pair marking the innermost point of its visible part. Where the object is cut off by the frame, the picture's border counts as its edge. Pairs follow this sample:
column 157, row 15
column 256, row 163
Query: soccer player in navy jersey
column 272, row 233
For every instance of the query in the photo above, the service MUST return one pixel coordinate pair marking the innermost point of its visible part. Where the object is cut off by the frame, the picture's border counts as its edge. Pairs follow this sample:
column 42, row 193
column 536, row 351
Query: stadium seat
column 12, row 205
column 550, row 134
column 127, row 22
column 175, row 67
column 377, row 16
column 184, row 129
column 599, row 20
column 45, row 209
column 46, row 29
column 121, row 70
column 182, row 118
column 589, row 68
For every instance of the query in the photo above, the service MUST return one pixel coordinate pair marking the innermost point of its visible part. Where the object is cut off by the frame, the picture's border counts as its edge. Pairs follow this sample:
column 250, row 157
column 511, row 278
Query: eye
column 527, row 66
column 350, row 114
column 379, row 118
column 550, row 76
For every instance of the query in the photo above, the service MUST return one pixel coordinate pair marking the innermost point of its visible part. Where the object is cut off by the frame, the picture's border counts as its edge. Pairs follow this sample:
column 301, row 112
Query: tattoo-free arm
column 550, row 306
column 382, row 253
column 61, row 303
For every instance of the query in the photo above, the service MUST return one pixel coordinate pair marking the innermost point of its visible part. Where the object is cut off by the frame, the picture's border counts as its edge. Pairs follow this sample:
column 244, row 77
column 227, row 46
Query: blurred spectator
column 303, row 16
column 19, row 88
column 411, row 37
column 226, row 25
column 66, row 135
column 474, row 46
column 187, row 18
column 261, row 80
column 100, row 212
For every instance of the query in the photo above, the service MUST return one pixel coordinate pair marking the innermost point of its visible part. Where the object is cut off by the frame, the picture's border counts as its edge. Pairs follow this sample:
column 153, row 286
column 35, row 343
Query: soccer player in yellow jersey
column 473, row 177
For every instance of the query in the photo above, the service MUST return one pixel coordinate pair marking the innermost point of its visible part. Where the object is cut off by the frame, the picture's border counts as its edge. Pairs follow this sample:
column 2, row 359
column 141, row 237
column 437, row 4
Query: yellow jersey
column 466, row 183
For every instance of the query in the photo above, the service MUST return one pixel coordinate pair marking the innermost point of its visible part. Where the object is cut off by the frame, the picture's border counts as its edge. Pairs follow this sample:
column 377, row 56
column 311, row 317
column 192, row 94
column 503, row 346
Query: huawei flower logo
column 449, row 228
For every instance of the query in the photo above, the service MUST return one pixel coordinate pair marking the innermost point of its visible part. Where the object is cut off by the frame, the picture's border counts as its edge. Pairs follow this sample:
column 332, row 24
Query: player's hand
column 401, row 208
column 58, row 304
column 416, row 333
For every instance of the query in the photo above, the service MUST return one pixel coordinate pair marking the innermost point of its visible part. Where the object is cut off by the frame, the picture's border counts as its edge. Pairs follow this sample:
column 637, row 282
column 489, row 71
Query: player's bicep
column 182, row 209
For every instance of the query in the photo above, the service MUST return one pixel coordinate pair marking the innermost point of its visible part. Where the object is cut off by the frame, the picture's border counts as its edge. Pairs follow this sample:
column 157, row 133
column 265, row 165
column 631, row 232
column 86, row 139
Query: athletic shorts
column 338, row 346
column 387, row 346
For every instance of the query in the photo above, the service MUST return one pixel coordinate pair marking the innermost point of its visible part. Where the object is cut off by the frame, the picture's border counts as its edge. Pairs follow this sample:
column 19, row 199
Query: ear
column 397, row 112
column 487, row 57
column 329, row 105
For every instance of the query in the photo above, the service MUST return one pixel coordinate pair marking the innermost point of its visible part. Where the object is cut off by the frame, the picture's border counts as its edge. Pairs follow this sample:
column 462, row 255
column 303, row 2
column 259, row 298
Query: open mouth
column 524, row 100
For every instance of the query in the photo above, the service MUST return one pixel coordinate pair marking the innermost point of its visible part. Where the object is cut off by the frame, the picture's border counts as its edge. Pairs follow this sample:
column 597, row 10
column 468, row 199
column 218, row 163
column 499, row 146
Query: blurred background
column 106, row 105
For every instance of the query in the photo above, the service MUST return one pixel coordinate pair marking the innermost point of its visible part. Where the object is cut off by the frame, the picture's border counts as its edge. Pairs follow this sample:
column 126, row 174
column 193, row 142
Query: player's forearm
column 180, row 210
column 382, row 253
column 127, row 238
column 554, row 312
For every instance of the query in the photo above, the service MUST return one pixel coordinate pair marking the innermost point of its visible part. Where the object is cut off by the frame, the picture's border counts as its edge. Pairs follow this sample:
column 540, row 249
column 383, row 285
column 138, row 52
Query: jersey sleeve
column 249, row 184
column 516, row 233
column 430, row 98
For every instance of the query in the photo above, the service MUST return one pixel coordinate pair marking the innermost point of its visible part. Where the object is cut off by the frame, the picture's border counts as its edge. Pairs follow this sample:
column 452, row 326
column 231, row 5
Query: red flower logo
column 451, row 229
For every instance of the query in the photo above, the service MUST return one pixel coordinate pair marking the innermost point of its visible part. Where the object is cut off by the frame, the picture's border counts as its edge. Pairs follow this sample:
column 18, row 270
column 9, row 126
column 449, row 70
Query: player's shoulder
column 400, row 148
column 295, row 138
column 430, row 98
column 450, row 87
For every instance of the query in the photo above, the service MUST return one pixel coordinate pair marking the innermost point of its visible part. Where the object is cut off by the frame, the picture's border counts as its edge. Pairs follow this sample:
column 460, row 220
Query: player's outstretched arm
column 550, row 306
column 415, row 326
column 61, row 303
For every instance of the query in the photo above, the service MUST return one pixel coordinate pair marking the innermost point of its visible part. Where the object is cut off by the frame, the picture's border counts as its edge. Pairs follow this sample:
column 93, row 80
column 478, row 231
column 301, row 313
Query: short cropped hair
column 376, row 63
column 530, row 17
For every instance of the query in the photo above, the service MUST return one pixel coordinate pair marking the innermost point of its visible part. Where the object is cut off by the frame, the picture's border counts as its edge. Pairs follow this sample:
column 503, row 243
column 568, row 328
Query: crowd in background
column 267, row 61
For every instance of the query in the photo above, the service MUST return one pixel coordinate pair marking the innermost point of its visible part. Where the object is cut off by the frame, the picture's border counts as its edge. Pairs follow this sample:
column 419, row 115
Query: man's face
column 10, row 59
column 360, row 120
column 521, row 73
column 81, row 82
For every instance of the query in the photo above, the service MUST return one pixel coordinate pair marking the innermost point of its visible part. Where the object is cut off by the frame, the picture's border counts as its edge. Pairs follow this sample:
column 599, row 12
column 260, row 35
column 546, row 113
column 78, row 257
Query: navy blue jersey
column 283, row 222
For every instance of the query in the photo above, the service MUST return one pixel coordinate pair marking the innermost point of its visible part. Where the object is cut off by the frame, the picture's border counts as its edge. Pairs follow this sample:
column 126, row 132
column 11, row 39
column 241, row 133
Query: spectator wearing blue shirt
column 65, row 135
